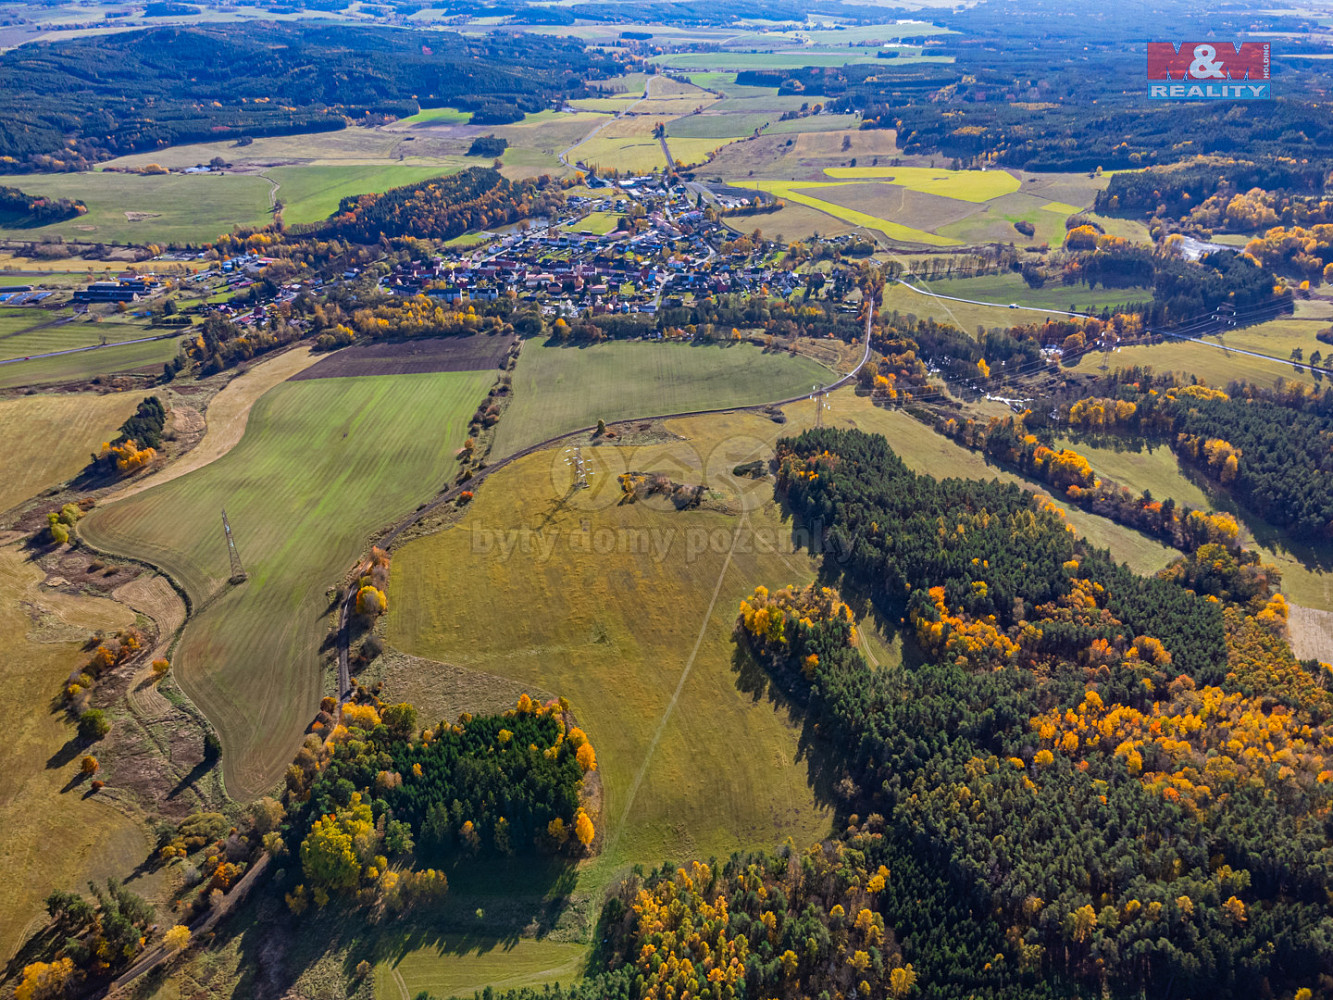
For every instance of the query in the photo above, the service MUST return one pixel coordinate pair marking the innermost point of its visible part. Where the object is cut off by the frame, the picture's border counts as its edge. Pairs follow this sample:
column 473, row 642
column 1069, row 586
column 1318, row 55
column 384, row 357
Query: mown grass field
column 322, row 465
column 1009, row 287
column 312, row 193
column 40, row 334
column 51, row 437
column 87, row 364
column 1207, row 360
column 559, row 389
column 170, row 208
column 51, row 836
column 965, row 185
column 437, row 116
column 455, row 965
column 799, row 192
column 606, row 607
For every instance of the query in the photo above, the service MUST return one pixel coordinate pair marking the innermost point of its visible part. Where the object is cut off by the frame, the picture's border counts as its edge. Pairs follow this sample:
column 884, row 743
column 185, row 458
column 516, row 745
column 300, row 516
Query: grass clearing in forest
column 51, row 437
column 559, row 389
column 323, row 465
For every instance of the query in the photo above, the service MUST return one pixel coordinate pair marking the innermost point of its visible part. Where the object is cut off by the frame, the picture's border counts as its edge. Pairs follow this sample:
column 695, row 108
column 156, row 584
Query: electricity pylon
column 238, row 574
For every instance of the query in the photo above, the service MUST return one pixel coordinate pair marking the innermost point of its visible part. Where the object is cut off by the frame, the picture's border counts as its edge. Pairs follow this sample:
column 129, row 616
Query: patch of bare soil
column 413, row 357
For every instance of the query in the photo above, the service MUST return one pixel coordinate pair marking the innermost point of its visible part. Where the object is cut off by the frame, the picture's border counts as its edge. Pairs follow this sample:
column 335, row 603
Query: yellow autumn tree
column 902, row 980
column 178, row 938
column 370, row 601
column 583, row 829
column 43, row 980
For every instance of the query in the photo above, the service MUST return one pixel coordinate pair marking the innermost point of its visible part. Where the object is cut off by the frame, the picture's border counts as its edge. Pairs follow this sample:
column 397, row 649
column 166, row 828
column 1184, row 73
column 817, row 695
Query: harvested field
column 322, row 465
column 798, row 192
column 916, row 209
column 966, row 185
column 412, row 357
column 227, row 416
column 52, row 437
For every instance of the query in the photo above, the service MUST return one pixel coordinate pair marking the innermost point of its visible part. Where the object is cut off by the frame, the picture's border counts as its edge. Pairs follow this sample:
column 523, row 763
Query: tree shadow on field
column 822, row 764
column 491, row 905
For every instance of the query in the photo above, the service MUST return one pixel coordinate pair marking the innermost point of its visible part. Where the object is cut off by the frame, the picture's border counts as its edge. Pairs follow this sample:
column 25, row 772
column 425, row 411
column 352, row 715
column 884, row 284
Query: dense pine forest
column 69, row 104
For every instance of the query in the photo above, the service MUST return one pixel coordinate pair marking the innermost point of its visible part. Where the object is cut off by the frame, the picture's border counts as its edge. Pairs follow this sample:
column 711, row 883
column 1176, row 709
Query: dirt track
column 227, row 416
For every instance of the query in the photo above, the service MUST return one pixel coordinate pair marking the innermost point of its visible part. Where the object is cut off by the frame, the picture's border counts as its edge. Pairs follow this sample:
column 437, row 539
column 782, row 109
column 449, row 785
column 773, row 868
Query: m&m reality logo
column 1209, row 71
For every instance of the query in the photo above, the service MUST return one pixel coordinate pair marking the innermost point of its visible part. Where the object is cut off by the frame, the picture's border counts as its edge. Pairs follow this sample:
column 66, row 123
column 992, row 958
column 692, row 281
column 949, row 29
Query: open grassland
column 108, row 360
column 437, row 116
column 312, row 193
column 323, row 463
column 51, row 438
column 165, row 208
column 993, row 222
column 813, row 123
column 559, row 389
column 961, row 314
column 604, row 105
column 539, row 138
column 964, row 185
column 799, row 192
column 47, row 331
column 1210, row 363
column 620, row 616
column 1009, row 287
column 51, row 835
column 598, row 223
column 719, row 125
column 461, row 965
column 1277, row 338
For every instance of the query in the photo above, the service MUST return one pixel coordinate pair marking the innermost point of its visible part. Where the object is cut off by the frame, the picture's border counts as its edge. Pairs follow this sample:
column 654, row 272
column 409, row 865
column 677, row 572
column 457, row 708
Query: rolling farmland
column 322, row 464
column 559, row 389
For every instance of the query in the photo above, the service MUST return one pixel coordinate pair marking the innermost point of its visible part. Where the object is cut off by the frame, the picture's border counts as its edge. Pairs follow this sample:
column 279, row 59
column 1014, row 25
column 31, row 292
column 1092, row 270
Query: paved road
column 647, row 93
column 388, row 538
column 1062, row 312
column 82, row 350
